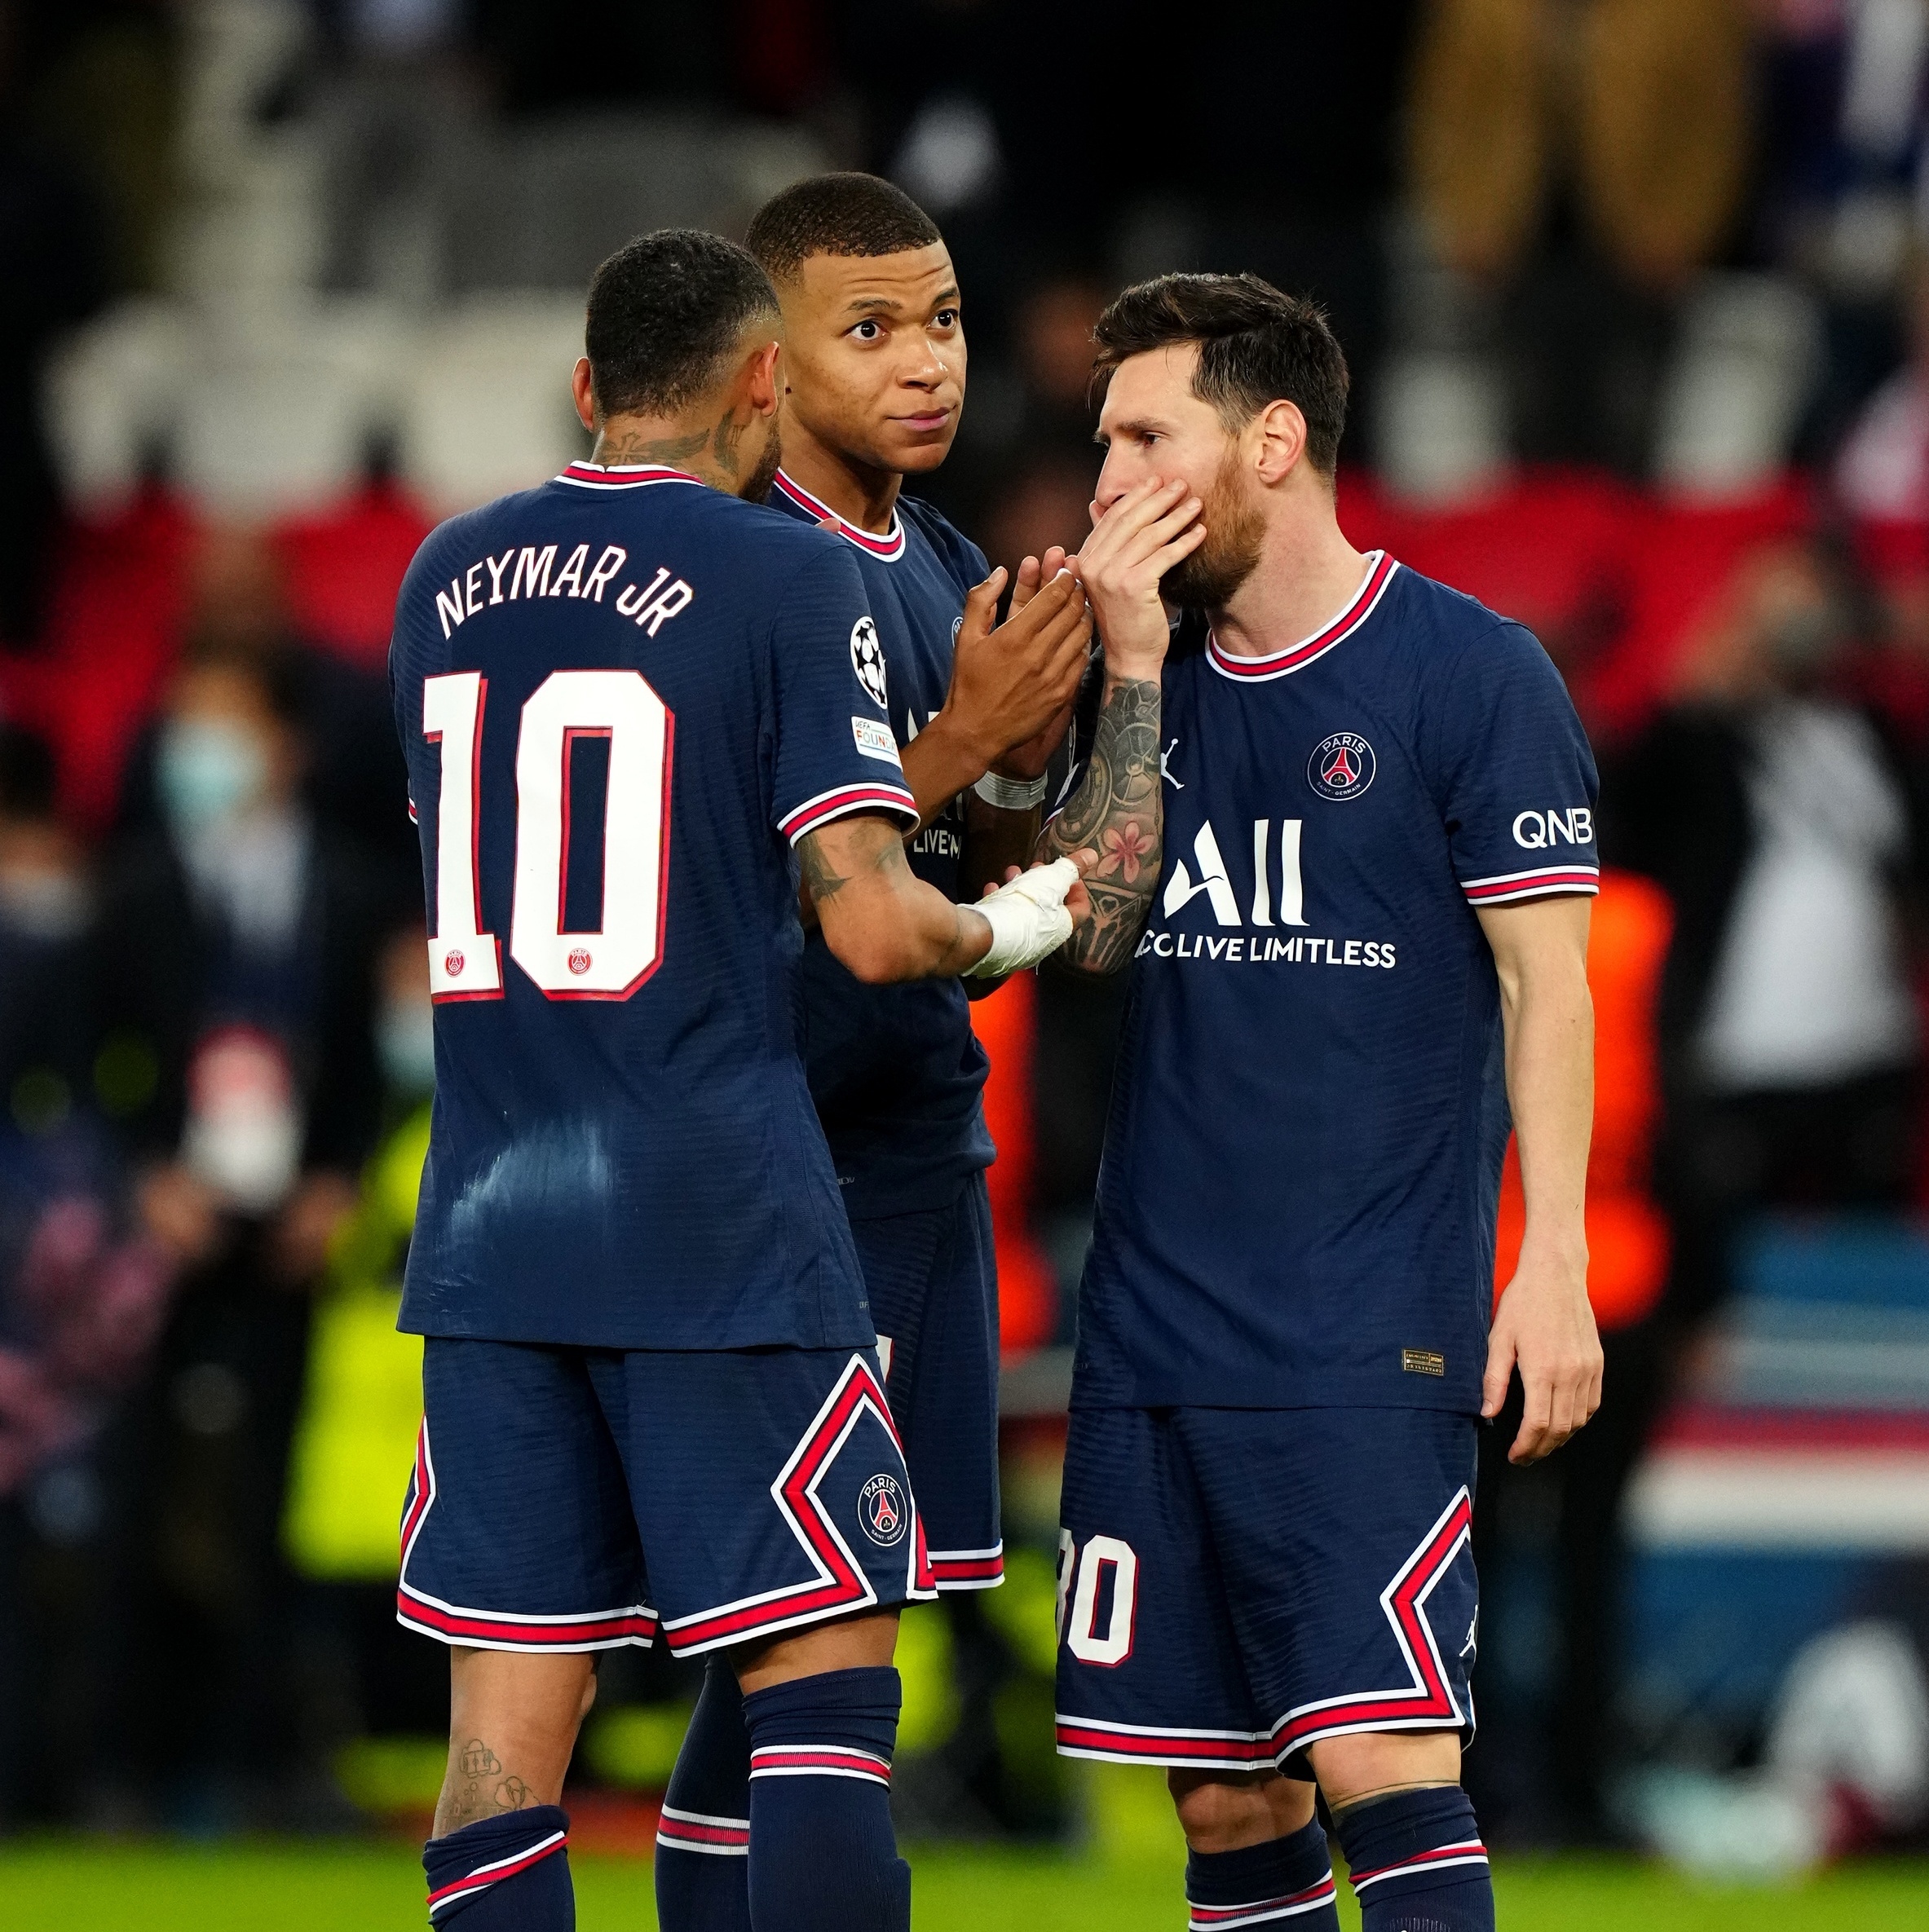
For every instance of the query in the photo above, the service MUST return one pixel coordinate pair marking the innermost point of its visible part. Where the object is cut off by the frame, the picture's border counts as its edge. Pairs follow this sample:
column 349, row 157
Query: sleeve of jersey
column 836, row 754
column 1520, row 786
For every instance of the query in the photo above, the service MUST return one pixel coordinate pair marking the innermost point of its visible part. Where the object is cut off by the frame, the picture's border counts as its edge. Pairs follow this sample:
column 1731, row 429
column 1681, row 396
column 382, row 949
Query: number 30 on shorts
column 610, row 963
column 1081, row 1578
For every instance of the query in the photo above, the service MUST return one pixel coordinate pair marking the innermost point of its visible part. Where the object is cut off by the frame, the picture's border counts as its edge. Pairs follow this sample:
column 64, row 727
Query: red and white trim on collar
column 886, row 549
column 1280, row 663
column 623, row 476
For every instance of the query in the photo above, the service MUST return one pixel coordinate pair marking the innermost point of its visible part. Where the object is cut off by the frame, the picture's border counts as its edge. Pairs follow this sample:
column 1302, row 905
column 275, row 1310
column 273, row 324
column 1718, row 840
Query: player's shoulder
column 1448, row 630
column 955, row 551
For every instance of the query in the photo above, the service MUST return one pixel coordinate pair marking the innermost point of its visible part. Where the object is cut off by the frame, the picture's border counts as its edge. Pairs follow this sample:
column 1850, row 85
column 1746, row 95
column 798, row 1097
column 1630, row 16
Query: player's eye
column 868, row 330
column 945, row 319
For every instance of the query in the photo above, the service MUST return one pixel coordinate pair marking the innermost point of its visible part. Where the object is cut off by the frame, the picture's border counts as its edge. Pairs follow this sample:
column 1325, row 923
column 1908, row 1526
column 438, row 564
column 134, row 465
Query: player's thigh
column 1148, row 1668
column 770, row 1489
column 1344, row 1536
column 933, row 1282
column 1357, row 1764
column 516, row 1531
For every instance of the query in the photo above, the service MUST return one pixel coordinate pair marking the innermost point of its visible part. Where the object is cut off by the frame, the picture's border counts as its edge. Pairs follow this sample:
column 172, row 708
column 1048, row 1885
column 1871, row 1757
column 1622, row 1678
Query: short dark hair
column 836, row 214
column 664, row 311
column 1256, row 346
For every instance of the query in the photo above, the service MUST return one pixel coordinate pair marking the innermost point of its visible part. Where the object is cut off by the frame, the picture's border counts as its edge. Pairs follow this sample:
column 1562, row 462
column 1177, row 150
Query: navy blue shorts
column 1236, row 1584
column 932, row 1277
column 571, row 1498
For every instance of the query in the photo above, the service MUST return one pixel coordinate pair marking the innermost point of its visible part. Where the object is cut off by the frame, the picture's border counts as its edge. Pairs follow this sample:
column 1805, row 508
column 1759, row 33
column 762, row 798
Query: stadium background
column 1636, row 294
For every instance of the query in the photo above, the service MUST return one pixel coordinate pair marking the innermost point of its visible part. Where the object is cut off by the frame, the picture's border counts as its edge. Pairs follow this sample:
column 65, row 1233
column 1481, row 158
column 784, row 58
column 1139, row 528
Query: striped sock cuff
column 701, row 1831
column 820, row 1761
column 1467, row 1851
column 1261, row 1911
column 469, row 1861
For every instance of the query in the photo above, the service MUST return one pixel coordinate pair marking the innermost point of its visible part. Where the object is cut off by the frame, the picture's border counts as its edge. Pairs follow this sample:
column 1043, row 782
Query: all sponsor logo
column 883, row 1511
column 1342, row 766
column 866, row 659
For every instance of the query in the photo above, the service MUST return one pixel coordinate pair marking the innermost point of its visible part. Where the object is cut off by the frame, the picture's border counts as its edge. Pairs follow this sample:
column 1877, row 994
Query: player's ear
column 764, row 383
column 581, row 388
column 1279, row 433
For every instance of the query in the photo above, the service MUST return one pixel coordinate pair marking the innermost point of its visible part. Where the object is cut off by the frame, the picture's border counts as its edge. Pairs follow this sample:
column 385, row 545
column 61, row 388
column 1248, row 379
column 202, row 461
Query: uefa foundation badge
column 883, row 1510
column 1341, row 766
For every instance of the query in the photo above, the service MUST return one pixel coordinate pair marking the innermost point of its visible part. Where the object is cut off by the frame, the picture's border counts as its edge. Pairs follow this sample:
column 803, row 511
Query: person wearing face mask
column 232, row 967
column 1789, row 834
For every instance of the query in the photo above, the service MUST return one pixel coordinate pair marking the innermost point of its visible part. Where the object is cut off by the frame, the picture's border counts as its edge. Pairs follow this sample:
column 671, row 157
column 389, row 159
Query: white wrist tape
column 1011, row 794
column 1027, row 918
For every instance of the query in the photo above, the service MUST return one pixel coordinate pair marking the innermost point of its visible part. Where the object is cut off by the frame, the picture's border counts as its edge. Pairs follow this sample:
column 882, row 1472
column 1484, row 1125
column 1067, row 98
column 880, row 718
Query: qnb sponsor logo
column 1536, row 831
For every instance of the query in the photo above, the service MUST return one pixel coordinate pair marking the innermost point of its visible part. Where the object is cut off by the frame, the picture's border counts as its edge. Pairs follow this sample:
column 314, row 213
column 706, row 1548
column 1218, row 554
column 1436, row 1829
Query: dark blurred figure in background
column 80, row 1299
column 53, row 277
column 358, row 1672
column 350, row 778
column 234, row 965
column 1788, row 832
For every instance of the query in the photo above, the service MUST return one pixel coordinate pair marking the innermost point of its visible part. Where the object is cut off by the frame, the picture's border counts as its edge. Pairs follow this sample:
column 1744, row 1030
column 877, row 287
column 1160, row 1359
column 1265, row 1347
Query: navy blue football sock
column 505, row 1874
column 1418, row 1862
column 823, row 1858
column 703, row 1840
column 1286, row 1883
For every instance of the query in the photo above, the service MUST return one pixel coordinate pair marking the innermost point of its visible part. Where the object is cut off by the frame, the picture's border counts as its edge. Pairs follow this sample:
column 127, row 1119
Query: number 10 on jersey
column 612, row 961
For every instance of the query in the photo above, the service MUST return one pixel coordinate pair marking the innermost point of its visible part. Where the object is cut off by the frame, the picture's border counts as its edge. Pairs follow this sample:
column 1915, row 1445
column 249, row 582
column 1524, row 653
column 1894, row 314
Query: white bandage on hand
column 1027, row 918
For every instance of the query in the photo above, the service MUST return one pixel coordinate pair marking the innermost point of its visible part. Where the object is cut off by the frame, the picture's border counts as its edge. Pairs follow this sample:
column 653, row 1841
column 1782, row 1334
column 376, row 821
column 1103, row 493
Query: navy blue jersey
column 896, row 1071
column 1308, row 1116
column 622, row 697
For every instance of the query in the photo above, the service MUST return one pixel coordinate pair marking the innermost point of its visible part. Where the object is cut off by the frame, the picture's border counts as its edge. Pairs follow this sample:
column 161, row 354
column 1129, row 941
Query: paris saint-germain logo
column 1341, row 766
column 866, row 659
column 883, row 1511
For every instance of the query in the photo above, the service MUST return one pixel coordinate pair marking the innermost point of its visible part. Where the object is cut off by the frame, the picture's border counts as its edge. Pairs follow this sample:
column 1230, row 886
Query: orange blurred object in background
column 1627, row 1236
column 1006, row 1024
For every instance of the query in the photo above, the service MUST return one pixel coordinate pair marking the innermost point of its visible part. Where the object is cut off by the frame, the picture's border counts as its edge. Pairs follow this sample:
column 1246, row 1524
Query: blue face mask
column 207, row 772
column 406, row 1040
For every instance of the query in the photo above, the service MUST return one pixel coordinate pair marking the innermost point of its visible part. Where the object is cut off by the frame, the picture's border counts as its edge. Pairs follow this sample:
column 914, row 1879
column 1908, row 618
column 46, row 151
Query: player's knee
column 1220, row 1812
column 1355, row 1767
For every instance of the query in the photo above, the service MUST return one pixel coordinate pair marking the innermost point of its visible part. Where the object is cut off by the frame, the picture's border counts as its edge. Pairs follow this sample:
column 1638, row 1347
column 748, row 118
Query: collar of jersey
column 623, row 476
column 886, row 549
column 1280, row 664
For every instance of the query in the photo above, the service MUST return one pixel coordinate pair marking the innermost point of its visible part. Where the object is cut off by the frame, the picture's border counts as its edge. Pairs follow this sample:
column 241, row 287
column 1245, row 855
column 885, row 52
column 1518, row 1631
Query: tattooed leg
column 513, row 1720
column 1117, row 812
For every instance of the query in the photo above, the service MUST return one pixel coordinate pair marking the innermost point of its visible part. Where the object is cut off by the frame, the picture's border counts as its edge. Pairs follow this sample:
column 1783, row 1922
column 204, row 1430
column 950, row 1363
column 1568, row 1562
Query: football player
column 873, row 375
column 1344, row 824
column 652, row 1401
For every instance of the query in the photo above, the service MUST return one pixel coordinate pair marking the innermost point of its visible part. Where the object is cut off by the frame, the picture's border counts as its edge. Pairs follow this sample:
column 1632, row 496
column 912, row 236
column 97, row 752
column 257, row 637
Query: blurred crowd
column 1636, row 296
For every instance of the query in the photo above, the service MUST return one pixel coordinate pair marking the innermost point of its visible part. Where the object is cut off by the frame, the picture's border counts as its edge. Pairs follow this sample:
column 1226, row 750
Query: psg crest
column 866, row 659
column 883, row 1510
column 1341, row 766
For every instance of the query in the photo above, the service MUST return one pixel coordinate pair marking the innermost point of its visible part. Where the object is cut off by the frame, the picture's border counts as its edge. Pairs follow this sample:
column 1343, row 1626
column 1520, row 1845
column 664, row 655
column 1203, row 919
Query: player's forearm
column 1119, row 814
column 879, row 918
column 1548, row 1017
column 994, row 840
column 943, row 760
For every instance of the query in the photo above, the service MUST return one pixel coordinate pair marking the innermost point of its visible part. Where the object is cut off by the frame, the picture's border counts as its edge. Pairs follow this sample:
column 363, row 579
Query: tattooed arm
column 1118, row 813
column 882, row 921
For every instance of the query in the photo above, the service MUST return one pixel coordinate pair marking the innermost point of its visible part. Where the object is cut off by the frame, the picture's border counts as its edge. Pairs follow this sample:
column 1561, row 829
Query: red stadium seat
column 345, row 567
